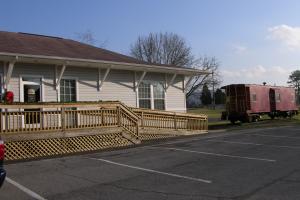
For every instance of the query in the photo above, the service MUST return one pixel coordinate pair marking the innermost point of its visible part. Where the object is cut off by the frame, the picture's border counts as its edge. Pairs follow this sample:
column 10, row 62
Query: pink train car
column 246, row 102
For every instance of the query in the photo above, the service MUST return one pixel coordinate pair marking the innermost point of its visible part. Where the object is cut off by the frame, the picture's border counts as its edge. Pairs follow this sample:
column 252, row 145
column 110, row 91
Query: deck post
column 142, row 120
column 175, row 121
column 63, row 119
column 119, row 116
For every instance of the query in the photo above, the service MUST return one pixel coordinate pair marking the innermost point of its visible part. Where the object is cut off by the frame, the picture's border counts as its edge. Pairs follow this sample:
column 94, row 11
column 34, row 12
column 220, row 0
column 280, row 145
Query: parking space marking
column 217, row 154
column 256, row 144
column 24, row 189
column 275, row 136
column 225, row 134
column 152, row 171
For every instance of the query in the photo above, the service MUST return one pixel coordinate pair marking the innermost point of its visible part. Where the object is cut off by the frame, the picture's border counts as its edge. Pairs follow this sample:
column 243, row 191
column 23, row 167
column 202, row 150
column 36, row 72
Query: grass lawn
column 211, row 113
column 265, row 122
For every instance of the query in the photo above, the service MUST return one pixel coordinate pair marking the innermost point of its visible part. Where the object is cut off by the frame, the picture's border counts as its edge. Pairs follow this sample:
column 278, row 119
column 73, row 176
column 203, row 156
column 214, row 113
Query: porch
column 49, row 129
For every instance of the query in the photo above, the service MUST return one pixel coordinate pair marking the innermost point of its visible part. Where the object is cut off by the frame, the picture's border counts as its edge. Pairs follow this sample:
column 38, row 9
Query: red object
column 9, row 97
column 2, row 150
column 245, row 100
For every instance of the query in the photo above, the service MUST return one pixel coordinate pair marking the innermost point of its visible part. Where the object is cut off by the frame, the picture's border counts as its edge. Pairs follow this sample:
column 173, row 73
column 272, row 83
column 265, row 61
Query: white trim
column 95, row 63
column 9, row 73
column 152, row 94
column 104, row 78
column 76, row 86
column 60, row 75
column 99, row 79
column 21, row 85
column 136, row 91
column 140, row 80
column 171, row 81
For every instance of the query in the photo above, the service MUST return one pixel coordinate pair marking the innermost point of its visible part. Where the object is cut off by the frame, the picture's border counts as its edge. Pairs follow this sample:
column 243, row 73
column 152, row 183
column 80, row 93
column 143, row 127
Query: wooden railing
column 170, row 120
column 21, row 118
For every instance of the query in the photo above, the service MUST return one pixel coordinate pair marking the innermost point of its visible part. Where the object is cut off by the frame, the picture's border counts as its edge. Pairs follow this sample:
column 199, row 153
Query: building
column 38, row 68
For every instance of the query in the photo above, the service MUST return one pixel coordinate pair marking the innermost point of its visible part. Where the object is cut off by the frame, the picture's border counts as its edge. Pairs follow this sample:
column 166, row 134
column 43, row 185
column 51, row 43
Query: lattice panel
column 155, row 136
column 30, row 149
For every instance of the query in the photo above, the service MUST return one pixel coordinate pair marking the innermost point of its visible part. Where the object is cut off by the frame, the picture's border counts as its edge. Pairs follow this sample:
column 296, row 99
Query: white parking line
column 217, row 154
column 24, row 189
column 225, row 134
column 152, row 171
column 256, row 144
column 275, row 136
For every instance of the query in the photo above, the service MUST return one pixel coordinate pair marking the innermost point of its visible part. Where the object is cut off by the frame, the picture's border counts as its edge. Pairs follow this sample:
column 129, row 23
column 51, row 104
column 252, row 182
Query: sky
column 254, row 41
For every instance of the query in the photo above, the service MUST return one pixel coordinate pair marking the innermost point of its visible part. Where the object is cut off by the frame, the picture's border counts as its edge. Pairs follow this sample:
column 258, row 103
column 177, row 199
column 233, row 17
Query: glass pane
column 159, row 104
column 158, row 91
column 144, row 91
column 67, row 90
column 145, row 103
column 31, row 93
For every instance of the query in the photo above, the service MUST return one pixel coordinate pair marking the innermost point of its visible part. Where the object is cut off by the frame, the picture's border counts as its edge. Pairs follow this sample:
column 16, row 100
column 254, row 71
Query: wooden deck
column 45, row 120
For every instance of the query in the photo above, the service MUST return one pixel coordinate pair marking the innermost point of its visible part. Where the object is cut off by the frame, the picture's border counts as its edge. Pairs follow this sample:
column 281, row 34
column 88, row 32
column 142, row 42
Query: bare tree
column 87, row 37
column 171, row 49
column 162, row 48
column 209, row 64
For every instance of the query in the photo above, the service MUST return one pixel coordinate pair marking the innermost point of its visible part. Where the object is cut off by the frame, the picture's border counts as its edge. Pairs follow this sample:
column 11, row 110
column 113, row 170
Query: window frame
column 152, row 99
column 76, row 87
column 22, row 83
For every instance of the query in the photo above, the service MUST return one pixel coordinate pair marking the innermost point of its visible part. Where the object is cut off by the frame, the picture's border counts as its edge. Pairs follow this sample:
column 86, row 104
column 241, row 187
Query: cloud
column 239, row 49
column 287, row 35
column 257, row 74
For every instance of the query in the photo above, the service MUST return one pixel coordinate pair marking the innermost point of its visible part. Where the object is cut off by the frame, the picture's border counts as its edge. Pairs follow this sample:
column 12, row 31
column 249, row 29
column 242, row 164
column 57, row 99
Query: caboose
column 247, row 102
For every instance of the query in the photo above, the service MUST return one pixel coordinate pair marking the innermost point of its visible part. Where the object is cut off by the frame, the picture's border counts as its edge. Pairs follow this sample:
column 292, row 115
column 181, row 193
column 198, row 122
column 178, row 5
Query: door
column 272, row 100
column 31, row 92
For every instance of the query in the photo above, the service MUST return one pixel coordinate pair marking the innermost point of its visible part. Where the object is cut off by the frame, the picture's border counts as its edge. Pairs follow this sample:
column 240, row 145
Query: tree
column 209, row 64
column 220, row 97
column 88, row 37
column 206, row 95
column 162, row 48
column 294, row 80
column 171, row 49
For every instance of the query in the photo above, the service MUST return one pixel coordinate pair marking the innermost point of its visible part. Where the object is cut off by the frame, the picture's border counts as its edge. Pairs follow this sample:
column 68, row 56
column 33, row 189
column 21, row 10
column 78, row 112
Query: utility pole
column 213, row 88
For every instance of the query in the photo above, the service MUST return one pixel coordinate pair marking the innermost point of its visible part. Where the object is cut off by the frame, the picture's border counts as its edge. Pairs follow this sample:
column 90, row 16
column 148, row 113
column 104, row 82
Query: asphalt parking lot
column 242, row 164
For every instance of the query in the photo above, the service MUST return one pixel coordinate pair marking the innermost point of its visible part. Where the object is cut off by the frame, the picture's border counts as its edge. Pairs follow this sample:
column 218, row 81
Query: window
column 159, row 96
column 145, row 95
column 151, row 95
column 67, row 90
column 277, row 96
column 253, row 97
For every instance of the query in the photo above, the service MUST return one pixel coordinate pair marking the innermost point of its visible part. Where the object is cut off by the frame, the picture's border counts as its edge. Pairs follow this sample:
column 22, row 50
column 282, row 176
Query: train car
column 247, row 102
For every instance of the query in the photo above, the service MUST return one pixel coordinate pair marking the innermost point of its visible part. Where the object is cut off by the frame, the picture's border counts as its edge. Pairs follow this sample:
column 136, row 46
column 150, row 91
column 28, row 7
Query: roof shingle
column 32, row 44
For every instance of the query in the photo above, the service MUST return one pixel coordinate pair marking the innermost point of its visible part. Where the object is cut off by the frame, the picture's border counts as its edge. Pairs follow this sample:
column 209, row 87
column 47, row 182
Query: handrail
column 34, row 117
column 171, row 120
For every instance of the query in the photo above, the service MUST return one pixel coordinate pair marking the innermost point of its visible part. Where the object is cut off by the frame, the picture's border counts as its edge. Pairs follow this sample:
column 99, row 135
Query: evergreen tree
column 220, row 97
column 206, row 95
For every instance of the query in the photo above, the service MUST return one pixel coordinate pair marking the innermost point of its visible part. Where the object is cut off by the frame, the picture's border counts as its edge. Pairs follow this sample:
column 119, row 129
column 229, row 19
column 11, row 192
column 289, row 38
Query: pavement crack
column 253, row 192
column 168, row 193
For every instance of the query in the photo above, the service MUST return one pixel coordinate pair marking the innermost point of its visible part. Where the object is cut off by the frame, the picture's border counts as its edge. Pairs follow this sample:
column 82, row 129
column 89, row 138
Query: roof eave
column 26, row 58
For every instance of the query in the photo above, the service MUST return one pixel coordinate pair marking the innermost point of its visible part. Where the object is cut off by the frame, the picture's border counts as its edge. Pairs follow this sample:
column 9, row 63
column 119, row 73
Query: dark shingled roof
column 33, row 44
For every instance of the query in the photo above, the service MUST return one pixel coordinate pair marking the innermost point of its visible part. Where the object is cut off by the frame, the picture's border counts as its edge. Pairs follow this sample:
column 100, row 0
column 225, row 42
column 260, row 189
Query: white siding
column 175, row 96
column 119, row 84
column 86, row 82
column 46, row 71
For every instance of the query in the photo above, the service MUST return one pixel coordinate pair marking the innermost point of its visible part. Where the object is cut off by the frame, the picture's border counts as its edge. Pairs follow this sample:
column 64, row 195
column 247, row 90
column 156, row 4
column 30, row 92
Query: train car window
column 278, row 97
column 253, row 97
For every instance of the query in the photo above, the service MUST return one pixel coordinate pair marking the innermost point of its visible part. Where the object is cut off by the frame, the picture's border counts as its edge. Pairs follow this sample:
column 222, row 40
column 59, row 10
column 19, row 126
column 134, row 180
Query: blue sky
column 254, row 40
